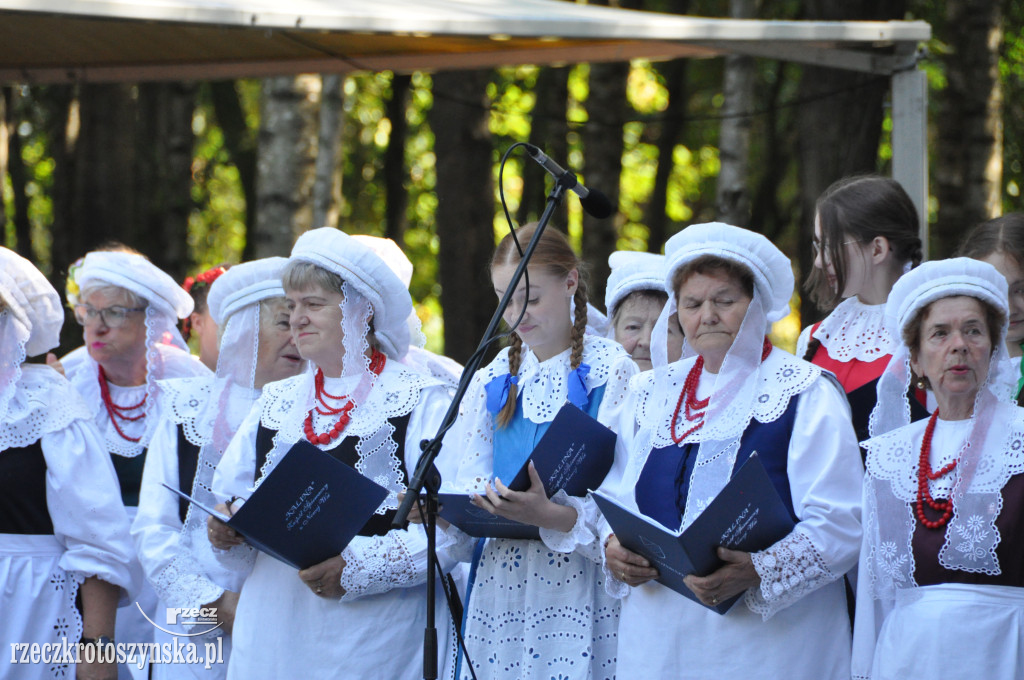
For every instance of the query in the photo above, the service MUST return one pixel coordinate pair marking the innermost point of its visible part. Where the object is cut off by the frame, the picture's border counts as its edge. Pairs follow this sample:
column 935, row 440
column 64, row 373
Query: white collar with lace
column 185, row 402
column 855, row 330
column 395, row 393
column 544, row 385
column 165, row 362
column 42, row 402
column 781, row 377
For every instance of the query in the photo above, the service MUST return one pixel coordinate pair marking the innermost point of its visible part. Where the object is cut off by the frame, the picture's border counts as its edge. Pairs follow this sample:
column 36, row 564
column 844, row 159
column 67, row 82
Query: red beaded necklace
column 924, row 474
column 377, row 361
column 694, row 406
column 115, row 411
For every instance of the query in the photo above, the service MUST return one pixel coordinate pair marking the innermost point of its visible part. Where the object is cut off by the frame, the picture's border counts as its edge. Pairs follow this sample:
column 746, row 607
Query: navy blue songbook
column 748, row 515
column 575, row 454
column 306, row 510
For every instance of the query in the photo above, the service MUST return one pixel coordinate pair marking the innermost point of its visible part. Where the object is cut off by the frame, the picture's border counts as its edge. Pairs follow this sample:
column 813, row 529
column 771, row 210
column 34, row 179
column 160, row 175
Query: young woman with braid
column 865, row 238
column 536, row 608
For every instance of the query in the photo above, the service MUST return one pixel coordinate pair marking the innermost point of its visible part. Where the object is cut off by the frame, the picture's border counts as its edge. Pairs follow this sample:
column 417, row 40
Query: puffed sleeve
column 176, row 576
column 398, row 559
column 585, row 536
column 84, row 501
column 825, row 475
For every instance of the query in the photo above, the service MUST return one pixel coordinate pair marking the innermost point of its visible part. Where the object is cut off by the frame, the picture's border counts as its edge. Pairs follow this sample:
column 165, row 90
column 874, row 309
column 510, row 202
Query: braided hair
column 553, row 254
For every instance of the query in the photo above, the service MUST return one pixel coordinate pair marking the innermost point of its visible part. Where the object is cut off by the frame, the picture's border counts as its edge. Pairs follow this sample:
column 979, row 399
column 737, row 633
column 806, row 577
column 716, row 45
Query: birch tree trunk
column 732, row 200
column 285, row 168
column 327, row 174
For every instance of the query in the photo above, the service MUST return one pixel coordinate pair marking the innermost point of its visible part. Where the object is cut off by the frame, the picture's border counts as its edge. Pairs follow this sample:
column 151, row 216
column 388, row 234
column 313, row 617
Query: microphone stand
column 426, row 476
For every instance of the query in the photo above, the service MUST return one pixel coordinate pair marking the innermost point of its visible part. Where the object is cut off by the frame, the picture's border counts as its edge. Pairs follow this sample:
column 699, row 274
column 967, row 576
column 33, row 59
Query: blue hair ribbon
column 497, row 391
column 577, row 386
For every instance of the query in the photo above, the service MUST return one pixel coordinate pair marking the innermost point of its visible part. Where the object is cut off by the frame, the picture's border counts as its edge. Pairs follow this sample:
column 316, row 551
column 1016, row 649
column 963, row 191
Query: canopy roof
column 121, row 40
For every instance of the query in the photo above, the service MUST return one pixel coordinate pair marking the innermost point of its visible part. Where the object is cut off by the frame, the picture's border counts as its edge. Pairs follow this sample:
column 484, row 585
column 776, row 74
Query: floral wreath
column 197, row 283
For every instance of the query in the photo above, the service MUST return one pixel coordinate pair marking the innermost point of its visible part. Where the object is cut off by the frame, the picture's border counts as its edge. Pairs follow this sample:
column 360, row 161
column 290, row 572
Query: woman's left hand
column 324, row 579
column 732, row 578
column 529, row 507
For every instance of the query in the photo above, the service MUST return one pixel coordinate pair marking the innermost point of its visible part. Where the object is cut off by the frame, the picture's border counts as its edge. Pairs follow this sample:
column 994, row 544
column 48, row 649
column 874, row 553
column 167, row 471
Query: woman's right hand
column 220, row 534
column 628, row 567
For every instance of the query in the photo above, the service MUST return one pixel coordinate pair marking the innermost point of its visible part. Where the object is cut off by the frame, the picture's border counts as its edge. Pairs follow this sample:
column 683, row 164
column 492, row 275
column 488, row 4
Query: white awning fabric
column 45, row 41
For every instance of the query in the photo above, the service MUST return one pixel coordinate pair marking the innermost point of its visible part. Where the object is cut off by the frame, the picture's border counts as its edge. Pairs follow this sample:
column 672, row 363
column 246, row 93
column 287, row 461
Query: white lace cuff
column 579, row 536
column 789, row 570
column 182, row 584
column 377, row 564
column 612, row 585
column 456, row 543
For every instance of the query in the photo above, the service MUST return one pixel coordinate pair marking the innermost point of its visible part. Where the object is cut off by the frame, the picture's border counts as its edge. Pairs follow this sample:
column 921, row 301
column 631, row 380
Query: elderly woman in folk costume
column 536, row 608
column 941, row 587
column 128, row 309
column 360, row 614
column 63, row 529
column 196, row 419
column 634, row 297
column 694, row 422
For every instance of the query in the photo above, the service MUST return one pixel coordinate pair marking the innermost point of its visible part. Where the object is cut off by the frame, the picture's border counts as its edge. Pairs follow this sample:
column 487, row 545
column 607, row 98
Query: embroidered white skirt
column 37, row 603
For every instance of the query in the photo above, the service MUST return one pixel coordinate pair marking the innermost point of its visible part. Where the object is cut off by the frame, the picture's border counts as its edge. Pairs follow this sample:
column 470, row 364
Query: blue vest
column 665, row 480
column 514, row 444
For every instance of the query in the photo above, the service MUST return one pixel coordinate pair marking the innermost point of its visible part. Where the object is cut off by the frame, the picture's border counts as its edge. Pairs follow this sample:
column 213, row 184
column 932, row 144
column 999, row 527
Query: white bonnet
column 393, row 257
column 359, row 266
column 771, row 269
column 134, row 272
column 632, row 271
column 931, row 281
column 32, row 301
column 245, row 284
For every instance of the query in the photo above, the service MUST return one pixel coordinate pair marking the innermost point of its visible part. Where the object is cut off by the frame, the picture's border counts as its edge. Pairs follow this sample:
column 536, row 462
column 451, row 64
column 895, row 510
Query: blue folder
column 575, row 454
column 748, row 515
column 306, row 510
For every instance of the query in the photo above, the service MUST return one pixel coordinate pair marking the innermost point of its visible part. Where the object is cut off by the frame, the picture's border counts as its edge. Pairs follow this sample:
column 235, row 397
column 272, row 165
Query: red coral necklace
column 377, row 361
column 694, row 406
column 924, row 474
column 119, row 412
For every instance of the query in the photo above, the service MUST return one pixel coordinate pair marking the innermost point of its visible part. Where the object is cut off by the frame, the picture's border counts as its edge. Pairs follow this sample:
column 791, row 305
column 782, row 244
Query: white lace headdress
column 166, row 303
column 631, row 271
column 731, row 405
column 30, row 319
column 976, row 502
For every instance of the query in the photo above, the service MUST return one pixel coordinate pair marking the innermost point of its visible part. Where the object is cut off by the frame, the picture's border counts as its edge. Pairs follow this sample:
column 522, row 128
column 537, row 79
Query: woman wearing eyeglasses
column 128, row 309
column 865, row 238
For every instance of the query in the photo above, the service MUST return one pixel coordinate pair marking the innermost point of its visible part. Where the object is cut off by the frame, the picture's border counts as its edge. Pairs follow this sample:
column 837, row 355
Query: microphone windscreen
column 597, row 204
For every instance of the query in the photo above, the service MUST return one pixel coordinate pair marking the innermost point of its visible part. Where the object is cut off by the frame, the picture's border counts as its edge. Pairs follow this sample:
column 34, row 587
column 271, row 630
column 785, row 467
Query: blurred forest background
column 198, row 173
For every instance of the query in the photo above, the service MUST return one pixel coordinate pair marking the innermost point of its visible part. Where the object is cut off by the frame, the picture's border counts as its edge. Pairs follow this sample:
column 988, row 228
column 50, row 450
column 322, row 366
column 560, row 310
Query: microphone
column 592, row 200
